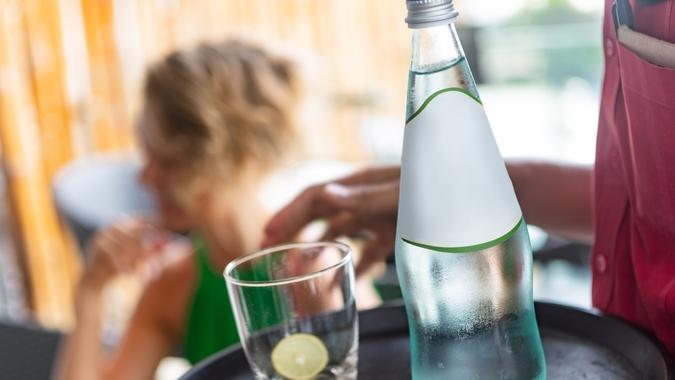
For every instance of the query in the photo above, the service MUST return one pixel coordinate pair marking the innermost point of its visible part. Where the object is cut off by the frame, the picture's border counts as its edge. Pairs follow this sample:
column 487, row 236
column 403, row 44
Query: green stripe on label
column 435, row 94
column 469, row 248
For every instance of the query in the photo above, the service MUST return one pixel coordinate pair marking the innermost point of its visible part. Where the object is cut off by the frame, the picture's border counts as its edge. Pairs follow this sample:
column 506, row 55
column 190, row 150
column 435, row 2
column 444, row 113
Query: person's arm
column 148, row 337
column 79, row 356
column 555, row 197
column 144, row 343
column 114, row 250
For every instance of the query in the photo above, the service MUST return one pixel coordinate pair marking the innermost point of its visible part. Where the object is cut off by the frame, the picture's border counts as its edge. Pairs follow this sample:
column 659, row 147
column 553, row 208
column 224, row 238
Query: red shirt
column 634, row 181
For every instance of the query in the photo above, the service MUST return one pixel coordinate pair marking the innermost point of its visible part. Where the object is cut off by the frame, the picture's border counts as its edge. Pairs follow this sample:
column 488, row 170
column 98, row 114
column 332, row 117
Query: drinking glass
column 295, row 311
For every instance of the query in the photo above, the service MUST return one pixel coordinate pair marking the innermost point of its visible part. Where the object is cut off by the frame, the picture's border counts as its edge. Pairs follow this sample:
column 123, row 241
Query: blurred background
column 70, row 78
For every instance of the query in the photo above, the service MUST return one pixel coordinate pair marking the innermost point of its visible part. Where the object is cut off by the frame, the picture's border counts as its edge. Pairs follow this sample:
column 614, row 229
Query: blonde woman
column 215, row 121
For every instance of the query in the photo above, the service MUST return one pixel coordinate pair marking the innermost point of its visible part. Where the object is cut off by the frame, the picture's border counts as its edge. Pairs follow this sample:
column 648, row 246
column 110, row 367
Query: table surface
column 578, row 345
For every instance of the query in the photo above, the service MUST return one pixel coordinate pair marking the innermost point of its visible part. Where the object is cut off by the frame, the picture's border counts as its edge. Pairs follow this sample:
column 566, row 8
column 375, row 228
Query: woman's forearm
column 81, row 354
column 555, row 197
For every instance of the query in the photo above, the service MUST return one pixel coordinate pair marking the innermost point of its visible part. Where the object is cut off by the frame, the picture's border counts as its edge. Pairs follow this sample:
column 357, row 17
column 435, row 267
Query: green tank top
column 211, row 326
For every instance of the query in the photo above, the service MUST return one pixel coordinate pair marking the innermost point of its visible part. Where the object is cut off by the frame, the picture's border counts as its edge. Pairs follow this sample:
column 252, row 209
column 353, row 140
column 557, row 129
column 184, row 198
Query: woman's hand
column 117, row 249
column 363, row 205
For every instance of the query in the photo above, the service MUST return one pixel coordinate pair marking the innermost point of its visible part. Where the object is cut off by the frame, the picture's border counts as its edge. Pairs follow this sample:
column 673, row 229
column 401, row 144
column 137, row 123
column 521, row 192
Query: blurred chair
column 93, row 192
column 26, row 352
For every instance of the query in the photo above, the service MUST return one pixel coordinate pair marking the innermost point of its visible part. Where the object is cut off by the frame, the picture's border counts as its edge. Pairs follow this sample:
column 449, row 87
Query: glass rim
column 227, row 273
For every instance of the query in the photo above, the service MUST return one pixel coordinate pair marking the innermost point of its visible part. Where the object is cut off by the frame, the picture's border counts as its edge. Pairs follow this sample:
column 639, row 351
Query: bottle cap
column 426, row 13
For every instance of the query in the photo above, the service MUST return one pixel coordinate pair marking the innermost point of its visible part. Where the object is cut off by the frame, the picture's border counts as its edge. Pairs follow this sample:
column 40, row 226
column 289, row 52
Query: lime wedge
column 299, row 356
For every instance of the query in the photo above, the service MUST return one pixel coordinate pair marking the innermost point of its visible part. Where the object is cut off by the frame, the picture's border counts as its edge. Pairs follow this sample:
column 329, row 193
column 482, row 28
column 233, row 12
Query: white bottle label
column 456, row 195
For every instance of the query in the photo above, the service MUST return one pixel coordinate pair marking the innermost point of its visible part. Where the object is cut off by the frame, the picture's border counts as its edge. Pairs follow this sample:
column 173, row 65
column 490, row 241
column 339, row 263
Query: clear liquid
column 338, row 331
column 425, row 80
column 471, row 314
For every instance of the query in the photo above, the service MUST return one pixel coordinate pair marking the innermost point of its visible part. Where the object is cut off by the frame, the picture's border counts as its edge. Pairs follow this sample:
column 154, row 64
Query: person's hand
column 116, row 249
column 363, row 205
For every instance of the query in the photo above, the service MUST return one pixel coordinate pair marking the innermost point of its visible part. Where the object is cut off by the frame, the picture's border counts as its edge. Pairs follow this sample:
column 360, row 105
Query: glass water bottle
column 463, row 253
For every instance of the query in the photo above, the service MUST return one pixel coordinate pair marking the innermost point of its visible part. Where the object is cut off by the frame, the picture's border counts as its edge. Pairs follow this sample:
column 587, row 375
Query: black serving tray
column 579, row 344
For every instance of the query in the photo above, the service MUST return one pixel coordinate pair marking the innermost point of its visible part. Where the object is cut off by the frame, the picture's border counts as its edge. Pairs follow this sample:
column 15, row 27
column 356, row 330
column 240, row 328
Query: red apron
column 634, row 181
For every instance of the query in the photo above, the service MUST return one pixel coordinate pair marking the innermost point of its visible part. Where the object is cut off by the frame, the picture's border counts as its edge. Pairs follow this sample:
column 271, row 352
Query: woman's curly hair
column 224, row 105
